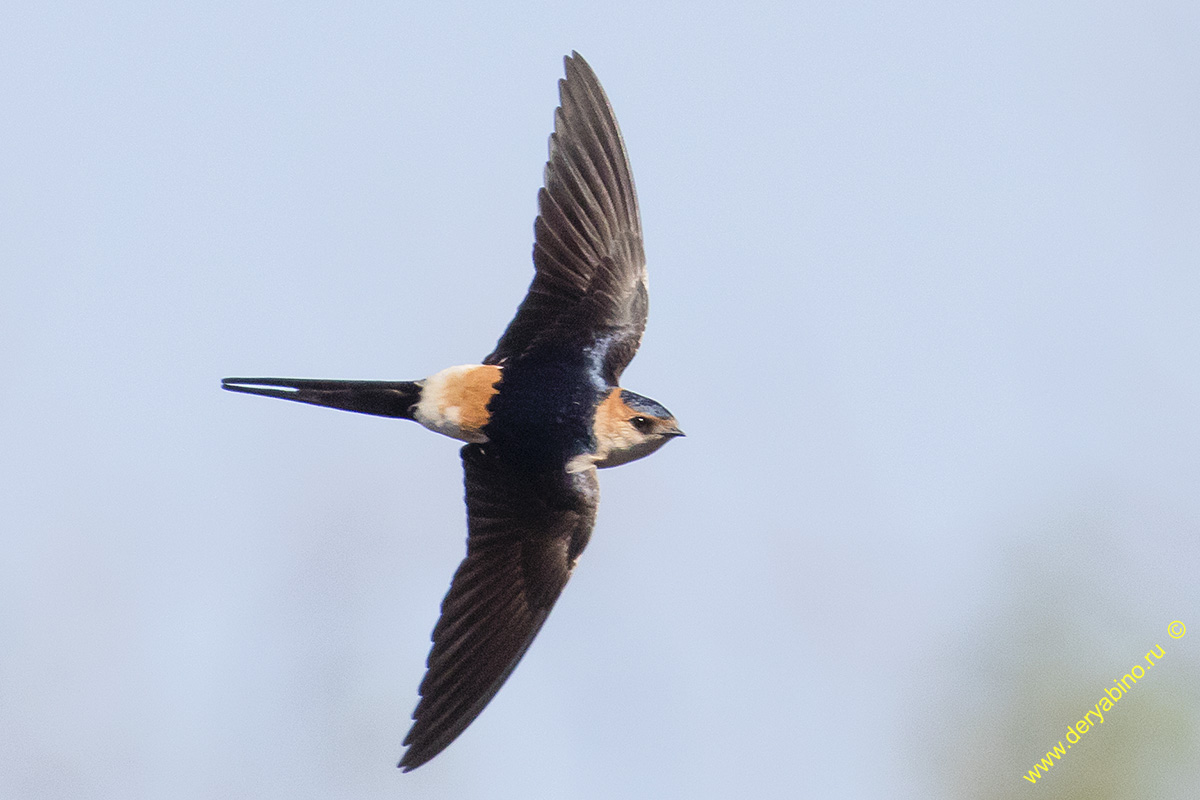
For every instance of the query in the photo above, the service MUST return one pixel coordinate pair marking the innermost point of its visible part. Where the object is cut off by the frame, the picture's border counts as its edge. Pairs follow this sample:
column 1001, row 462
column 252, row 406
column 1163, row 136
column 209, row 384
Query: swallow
column 540, row 415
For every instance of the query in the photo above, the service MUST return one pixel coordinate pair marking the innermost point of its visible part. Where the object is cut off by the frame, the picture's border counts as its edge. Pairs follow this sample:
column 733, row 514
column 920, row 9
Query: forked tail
column 381, row 398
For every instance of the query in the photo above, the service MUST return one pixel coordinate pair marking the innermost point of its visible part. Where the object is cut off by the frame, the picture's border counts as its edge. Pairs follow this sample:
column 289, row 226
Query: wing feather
column 525, row 532
column 590, row 268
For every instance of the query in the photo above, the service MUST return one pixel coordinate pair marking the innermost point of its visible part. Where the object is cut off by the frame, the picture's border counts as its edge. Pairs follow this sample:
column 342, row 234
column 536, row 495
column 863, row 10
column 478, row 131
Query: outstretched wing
column 590, row 280
column 524, row 534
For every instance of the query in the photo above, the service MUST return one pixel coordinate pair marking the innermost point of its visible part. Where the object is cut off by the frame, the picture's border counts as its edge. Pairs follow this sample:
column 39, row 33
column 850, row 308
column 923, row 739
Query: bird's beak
column 381, row 398
column 674, row 431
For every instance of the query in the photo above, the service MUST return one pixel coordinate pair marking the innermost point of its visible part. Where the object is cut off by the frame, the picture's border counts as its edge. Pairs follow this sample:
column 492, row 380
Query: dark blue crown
column 644, row 405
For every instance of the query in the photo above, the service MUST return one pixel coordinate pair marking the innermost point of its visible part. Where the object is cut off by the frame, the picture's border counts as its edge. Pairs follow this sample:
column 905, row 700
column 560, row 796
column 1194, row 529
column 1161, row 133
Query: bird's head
column 629, row 427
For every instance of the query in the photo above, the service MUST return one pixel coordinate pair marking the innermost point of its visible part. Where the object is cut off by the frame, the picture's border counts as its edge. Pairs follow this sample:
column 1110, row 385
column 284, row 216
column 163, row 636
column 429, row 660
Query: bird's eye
column 643, row 424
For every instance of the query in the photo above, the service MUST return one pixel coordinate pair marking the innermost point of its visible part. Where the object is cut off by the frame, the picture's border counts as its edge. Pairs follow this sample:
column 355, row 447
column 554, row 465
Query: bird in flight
column 539, row 416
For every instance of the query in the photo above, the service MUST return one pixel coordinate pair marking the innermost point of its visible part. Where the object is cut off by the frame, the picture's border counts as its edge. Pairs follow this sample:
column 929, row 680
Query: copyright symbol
column 1176, row 630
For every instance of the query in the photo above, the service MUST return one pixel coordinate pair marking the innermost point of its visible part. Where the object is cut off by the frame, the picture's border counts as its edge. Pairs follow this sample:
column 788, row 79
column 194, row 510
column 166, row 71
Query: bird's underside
column 539, row 415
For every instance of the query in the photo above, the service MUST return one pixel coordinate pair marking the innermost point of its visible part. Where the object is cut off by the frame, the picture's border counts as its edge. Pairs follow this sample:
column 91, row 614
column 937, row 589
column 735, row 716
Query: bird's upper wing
column 524, row 534
column 590, row 279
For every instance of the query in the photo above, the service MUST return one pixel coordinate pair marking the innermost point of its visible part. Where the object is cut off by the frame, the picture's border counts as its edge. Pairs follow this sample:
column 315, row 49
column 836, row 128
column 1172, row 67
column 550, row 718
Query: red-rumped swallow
column 540, row 415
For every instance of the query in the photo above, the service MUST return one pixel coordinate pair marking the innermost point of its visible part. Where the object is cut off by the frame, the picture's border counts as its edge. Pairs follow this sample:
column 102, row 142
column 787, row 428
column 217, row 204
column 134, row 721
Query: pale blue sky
column 924, row 288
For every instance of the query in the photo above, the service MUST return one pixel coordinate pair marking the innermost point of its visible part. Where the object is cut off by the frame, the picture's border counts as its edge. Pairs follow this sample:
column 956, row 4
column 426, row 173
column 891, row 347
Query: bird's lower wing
column 524, row 534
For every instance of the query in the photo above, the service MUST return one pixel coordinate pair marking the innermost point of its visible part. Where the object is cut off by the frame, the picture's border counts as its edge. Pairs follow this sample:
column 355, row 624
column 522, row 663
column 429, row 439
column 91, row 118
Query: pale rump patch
column 454, row 401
